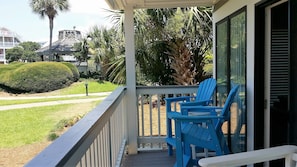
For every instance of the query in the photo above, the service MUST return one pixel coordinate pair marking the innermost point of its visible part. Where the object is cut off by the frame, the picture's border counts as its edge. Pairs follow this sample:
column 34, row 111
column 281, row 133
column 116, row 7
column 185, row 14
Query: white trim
column 250, row 71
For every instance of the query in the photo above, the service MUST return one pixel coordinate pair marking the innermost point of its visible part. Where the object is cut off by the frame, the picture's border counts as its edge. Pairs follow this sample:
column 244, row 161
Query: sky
column 17, row 16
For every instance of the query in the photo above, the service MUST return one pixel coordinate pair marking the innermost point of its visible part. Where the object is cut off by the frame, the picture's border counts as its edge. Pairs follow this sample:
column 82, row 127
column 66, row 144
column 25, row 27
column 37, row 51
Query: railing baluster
column 154, row 113
column 142, row 115
column 96, row 151
column 159, row 118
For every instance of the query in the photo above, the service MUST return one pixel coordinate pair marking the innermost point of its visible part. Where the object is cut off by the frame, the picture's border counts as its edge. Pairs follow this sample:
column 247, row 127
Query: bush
column 52, row 136
column 92, row 74
column 74, row 70
column 39, row 77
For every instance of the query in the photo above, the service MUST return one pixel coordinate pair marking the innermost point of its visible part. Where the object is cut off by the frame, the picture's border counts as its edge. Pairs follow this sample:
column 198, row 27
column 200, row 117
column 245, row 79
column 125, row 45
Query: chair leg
column 170, row 149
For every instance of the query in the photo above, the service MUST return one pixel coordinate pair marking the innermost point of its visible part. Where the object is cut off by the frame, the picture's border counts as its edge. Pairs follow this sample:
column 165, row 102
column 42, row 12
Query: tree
column 25, row 51
column 182, row 63
column 29, row 45
column 29, row 53
column 82, row 51
column 50, row 9
column 156, row 32
column 14, row 54
column 107, row 48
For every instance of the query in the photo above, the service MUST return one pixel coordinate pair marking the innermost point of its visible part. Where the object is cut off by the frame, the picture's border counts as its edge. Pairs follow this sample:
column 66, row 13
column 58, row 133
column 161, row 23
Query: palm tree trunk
column 51, row 25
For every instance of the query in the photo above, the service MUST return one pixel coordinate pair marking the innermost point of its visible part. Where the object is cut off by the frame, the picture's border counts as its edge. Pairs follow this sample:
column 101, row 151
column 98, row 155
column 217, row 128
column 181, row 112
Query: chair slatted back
column 206, row 89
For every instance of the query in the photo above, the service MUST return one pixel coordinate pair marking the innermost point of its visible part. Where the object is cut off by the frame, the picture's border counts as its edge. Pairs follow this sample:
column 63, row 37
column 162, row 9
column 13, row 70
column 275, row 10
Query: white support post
column 131, row 81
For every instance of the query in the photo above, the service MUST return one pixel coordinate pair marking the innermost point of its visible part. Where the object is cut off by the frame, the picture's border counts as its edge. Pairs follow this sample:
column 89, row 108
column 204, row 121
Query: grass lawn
column 29, row 125
column 93, row 87
column 26, row 101
column 32, row 125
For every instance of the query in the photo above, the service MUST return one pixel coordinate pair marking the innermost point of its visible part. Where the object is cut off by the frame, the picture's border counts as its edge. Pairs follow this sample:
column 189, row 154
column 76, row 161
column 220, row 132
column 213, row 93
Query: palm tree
column 82, row 52
column 50, row 9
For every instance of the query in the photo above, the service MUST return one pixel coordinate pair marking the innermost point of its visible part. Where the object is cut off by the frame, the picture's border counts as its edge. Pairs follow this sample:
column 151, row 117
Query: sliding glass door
column 230, row 71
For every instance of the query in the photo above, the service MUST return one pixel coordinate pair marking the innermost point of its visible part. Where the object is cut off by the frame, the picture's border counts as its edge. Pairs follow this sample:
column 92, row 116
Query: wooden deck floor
column 149, row 159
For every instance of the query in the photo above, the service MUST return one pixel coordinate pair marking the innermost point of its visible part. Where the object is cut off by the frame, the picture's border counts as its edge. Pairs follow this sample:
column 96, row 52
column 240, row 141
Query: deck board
column 149, row 159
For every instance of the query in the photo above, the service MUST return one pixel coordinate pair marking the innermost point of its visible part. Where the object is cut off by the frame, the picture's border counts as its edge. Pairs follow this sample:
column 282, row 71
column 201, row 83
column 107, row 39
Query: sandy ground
column 15, row 157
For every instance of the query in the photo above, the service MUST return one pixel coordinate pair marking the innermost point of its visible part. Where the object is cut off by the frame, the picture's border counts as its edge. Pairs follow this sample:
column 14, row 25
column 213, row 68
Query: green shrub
column 39, row 77
column 74, row 70
column 52, row 136
column 5, row 70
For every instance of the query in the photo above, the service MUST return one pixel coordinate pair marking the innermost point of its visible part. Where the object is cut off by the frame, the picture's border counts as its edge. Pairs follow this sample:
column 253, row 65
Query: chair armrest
column 212, row 110
column 195, row 119
column 181, row 98
column 202, row 108
column 195, row 103
column 170, row 115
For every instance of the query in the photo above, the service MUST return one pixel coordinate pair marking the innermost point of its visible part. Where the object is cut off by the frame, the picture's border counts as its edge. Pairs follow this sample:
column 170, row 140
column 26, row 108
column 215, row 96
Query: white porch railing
column 99, row 138
column 96, row 140
column 287, row 152
column 152, row 113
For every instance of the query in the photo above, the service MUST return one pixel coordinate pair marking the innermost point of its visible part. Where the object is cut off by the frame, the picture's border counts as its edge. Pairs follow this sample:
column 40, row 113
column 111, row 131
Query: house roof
column 121, row 4
column 5, row 32
column 64, row 45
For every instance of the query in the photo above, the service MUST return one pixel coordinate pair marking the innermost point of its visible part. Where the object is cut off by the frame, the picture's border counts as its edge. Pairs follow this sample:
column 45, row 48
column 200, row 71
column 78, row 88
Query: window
column 231, row 70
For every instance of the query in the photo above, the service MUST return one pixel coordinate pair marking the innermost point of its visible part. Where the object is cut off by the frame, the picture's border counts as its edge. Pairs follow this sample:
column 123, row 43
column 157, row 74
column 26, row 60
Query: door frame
column 267, row 72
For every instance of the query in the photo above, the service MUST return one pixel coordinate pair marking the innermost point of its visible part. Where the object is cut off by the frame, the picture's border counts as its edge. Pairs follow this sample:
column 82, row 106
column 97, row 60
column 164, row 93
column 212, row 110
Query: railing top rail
column 63, row 147
column 251, row 157
column 167, row 89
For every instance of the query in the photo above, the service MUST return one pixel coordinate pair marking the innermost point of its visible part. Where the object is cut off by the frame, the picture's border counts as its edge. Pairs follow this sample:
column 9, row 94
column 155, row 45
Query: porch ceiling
column 121, row 4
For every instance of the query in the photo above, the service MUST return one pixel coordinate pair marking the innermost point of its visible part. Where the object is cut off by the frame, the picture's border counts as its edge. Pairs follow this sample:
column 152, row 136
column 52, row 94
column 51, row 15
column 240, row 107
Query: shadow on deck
column 149, row 159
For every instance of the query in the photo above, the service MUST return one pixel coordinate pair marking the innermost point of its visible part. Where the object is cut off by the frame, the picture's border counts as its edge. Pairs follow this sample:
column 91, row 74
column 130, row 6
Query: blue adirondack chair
column 202, row 131
column 203, row 98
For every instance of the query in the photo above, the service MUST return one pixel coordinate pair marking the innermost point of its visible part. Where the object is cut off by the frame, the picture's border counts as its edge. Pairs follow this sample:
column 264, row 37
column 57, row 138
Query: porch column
column 131, row 81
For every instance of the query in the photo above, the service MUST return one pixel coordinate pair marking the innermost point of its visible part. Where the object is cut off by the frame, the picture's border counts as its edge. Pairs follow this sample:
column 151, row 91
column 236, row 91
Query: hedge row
column 39, row 77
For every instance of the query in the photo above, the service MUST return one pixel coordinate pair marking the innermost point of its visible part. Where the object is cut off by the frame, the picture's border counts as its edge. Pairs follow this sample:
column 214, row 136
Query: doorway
column 276, row 85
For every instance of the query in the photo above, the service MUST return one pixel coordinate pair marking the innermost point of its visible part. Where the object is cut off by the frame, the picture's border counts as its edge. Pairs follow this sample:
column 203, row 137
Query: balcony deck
column 149, row 159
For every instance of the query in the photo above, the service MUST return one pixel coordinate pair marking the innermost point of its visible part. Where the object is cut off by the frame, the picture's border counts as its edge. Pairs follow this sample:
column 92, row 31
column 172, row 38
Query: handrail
column 96, row 140
column 252, row 157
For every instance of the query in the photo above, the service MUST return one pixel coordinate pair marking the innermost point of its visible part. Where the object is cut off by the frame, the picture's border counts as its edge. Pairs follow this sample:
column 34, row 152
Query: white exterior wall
column 7, row 45
column 227, row 9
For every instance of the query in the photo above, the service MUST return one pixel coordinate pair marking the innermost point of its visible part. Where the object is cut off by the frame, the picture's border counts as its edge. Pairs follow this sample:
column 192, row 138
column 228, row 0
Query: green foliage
column 52, row 136
column 74, row 70
column 25, row 51
column 208, row 67
column 155, row 29
column 82, row 51
column 14, row 54
column 117, row 70
column 154, row 63
column 38, row 77
column 29, row 45
column 107, row 46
